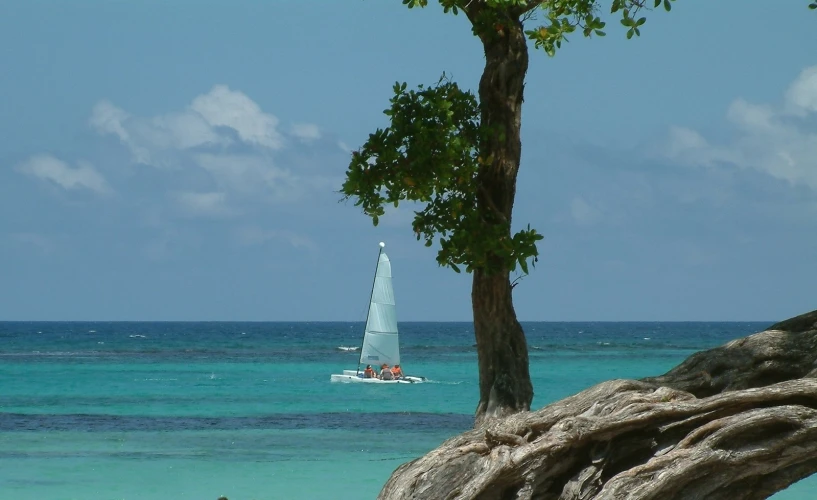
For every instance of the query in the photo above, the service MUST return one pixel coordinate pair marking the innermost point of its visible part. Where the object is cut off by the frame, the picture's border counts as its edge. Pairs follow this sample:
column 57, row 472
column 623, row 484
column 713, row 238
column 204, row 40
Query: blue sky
column 180, row 161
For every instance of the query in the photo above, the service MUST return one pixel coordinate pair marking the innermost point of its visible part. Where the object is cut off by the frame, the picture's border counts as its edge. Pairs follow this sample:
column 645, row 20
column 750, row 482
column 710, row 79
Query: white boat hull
column 352, row 377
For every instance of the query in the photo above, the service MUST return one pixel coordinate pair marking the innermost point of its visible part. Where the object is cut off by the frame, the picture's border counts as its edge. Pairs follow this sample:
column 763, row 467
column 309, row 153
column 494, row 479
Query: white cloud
column 583, row 213
column 306, row 131
column 688, row 147
column 780, row 141
column 48, row 168
column 108, row 119
column 753, row 118
column 248, row 174
column 204, row 204
column 206, row 122
column 227, row 135
column 220, row 156
column 801, row 98
column 222, row 107
column 183, row 130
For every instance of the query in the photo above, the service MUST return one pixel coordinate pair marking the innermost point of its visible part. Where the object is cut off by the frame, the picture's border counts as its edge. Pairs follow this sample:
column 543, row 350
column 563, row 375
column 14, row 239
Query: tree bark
column 504, row 380
column 504, row 377
column 737, row 421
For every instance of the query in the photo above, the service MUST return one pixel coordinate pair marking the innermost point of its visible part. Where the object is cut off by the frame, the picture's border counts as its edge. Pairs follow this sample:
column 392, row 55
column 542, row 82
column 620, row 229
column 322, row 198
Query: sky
column 181, row 160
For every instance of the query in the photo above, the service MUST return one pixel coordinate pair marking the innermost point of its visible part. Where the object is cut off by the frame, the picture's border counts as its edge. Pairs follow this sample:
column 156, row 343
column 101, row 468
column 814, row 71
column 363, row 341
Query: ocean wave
column 426, row 347
column 413, row 421
column 13, row 354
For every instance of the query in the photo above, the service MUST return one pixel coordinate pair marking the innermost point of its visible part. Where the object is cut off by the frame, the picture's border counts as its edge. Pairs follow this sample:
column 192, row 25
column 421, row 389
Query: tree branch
column 746, row 430
column 473, row 7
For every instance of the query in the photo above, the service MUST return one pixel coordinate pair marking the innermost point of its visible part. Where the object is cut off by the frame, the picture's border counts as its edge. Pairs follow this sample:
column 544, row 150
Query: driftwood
column 734, row 422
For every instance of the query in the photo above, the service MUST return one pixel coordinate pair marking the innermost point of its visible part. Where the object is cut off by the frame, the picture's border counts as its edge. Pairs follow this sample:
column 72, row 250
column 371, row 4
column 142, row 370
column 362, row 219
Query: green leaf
column 657, row 3
column 600, row 33
column 630, row 33
column 667, row 6
column 430, row 154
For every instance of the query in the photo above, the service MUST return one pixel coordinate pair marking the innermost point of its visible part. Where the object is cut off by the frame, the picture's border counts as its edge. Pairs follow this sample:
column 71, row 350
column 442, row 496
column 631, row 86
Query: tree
column 737, row 421
column 460, row 157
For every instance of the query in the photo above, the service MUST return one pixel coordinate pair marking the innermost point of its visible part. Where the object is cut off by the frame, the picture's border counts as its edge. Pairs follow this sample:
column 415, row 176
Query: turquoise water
column 154, row 411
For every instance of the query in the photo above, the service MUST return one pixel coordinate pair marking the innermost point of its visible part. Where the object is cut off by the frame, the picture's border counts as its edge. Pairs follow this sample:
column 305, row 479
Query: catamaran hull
column 351, row 377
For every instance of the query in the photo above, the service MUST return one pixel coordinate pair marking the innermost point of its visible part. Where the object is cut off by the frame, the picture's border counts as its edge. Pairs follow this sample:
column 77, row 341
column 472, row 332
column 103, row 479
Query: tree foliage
column 431, row 154
column 561, row 17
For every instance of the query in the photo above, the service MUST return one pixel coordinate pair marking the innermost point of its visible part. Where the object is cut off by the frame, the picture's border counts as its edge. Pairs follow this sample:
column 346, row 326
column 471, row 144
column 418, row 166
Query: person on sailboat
column 369, row 372
column 386, row 373
column 397, row 371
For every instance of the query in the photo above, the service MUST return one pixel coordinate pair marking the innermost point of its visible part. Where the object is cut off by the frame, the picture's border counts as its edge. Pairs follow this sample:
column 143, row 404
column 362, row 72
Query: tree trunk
column 737, row 421
column 504, row 377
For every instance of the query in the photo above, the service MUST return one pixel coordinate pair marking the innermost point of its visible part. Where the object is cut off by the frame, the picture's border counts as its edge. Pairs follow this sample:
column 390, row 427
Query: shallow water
column 195, row 410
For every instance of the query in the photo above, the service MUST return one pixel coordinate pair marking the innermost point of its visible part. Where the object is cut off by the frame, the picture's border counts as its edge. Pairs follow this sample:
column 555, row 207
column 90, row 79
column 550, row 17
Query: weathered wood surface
column 737, row 421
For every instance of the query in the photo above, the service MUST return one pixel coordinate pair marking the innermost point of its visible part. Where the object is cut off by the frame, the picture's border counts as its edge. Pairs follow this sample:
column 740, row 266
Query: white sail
column 380, row 340
column 380, row 344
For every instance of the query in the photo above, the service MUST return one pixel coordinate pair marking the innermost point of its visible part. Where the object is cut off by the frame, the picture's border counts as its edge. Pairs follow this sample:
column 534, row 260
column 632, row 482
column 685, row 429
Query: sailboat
column 381, row 342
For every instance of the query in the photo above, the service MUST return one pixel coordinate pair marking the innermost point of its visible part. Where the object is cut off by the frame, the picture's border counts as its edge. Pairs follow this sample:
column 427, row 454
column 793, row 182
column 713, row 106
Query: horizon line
column 363, row 321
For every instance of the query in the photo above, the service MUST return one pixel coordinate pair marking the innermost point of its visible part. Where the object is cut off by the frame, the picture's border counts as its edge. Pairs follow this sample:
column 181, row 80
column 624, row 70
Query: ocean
column 196, row 410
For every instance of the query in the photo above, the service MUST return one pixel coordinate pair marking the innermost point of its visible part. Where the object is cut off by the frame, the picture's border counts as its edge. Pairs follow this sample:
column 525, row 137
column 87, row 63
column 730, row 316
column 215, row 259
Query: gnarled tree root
column 738, row 421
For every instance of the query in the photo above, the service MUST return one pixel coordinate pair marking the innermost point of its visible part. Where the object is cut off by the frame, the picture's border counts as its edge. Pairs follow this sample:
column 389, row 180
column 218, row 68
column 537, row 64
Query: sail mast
column 369, row 309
